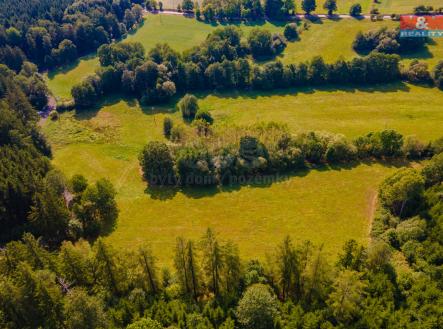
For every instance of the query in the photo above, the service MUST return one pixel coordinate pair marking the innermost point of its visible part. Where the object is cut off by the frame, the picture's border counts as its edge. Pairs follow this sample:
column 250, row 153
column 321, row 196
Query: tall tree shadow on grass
column 71, row 66
column 265, row 181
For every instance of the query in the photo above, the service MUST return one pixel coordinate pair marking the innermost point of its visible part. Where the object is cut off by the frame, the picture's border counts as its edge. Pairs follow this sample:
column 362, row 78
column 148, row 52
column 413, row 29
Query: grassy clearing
column 329, row 205
column 348, row 110
column 331, row 39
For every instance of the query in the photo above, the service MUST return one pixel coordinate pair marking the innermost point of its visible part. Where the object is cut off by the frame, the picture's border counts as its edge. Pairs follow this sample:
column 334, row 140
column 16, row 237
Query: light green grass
column 330, row 39
column 325, row 206
column 409, row 109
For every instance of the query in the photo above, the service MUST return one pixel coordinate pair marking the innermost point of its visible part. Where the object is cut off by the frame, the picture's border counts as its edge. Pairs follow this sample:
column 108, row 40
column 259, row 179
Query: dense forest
column 59, row 35
column 21, row 14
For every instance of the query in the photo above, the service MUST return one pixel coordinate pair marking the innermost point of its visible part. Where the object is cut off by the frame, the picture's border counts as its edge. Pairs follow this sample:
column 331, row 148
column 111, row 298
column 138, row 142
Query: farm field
column 330, row 39
column 329, row 205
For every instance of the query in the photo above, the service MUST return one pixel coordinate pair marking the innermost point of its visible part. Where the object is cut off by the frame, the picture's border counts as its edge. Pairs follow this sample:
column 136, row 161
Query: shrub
column 252, row 155
column 402, row 192
column 178, row 133
column 78, row 184
column 291, row 31
column 194, row 167
column 290, row 158
column 53, row 115
column 157, row 164
column 145, row 323
column 417, row 73
column 438, row 75
column 386, row 143
column 413, row 148
column 258, row 308
column 433, row 171
column 278, row 43
column 167, row 127
column 340, row 150
column 188, row 106
column 205, row 116
column 411, row 229
column 355, row 10
column 84, row 94
column 260, row 42
column 313, row 146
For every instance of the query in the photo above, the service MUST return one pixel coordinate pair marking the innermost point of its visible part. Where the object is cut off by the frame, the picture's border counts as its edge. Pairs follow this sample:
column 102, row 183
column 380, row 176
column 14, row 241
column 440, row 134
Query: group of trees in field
column 387, row 41
column 267, row 150
column 221, row 63
column 49, row 35
column 427, row 10
column 211, row 286
column 34, row 197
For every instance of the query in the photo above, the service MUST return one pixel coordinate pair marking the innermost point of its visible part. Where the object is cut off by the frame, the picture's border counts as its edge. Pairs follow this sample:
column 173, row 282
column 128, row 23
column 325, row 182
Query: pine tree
column 212, row 261
column 147, row 263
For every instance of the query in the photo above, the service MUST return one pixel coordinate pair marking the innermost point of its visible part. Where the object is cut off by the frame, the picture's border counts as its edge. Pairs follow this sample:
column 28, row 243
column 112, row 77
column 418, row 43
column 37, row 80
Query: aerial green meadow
column 325, row 205
column 329, row 205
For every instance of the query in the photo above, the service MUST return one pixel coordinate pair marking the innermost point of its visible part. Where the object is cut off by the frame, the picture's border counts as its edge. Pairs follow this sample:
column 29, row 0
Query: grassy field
column 327, row 206
column 349, row 111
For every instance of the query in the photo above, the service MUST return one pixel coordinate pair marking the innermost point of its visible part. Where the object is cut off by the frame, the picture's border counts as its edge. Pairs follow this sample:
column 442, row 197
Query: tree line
column 210, row 286
column 209, row 158
column 220, row 63
column 251, row 10
column 57, row 36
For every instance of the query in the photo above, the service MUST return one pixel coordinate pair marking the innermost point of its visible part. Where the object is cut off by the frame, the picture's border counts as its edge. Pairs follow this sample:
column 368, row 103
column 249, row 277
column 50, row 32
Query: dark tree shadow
column 71, row 66
column 266, row 180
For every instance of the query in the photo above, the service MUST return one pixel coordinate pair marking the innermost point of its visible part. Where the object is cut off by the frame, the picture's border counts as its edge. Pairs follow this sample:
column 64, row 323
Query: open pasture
column 325, row 205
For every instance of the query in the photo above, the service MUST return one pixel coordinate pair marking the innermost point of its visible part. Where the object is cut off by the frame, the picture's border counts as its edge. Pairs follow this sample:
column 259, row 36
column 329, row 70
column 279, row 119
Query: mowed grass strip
column 323, row 205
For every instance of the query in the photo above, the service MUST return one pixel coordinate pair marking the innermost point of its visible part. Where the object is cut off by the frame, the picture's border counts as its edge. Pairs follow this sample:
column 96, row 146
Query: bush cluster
column 387, row 41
